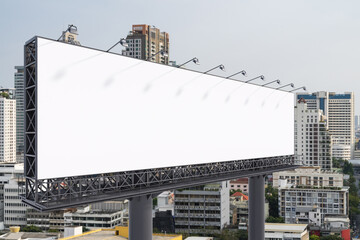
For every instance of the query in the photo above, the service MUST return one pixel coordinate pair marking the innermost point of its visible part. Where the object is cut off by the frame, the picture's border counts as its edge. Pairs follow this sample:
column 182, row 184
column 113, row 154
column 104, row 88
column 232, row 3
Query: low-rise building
column 310, row 205
column 241, row 184
column 203, row 209
column 282, row 231
column 309, row 176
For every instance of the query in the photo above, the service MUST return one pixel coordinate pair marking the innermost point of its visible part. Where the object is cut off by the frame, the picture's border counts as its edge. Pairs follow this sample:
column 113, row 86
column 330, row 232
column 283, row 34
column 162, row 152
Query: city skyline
column 307, row 43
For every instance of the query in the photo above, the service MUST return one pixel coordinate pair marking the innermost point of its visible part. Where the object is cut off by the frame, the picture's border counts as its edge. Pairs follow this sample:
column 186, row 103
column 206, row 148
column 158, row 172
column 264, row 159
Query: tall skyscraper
column 145, row 41
column 356, row 121
column 19, row 83
column 312, row 138
column 339, row 112
column 7, row 129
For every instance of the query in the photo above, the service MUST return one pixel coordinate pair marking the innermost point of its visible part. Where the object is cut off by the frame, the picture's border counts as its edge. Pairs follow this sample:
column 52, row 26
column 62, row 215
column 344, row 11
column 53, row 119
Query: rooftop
column 284, row 227
column 240, row 180
column 239, row 194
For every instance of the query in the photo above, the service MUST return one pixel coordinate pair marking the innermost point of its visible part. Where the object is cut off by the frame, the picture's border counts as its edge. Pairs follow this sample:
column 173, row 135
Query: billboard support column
column 140, row 218
column 257, row 207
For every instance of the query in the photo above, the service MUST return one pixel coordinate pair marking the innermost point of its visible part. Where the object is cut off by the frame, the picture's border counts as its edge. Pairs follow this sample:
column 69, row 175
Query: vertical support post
column 140, row 218
column 256, row 208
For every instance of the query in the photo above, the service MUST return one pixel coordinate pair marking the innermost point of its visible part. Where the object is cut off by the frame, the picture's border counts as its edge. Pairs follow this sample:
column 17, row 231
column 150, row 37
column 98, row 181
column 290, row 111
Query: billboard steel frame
column 57, row 193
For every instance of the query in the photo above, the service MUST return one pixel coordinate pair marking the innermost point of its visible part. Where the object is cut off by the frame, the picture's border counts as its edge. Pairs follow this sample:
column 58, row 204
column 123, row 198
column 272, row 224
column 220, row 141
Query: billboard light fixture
column 194, row 60
column 262, row 77
column 221, row 66
column 71, row 29
column 122, row 43
column 161, row 52
column 290, row 84
column 303, row 88
column 243, row 72
column 277, row 81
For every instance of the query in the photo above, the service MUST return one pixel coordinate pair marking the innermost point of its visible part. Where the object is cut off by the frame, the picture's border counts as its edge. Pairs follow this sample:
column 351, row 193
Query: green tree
column 314, row 237
column 337, row 162
column 348, row 168
column 272, row 219
column 271, row 195
column 331, row 237
column 31, row 228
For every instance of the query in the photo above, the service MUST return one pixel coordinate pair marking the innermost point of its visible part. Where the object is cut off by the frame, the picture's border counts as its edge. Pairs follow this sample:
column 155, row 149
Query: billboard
column 99, row 112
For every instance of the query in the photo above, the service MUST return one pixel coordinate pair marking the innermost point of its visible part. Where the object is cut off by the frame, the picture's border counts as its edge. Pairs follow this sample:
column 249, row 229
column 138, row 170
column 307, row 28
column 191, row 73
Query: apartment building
column 339, row 112
column 312, row 138
column 310, row 205
column 309, row 176
column 7, row 129
column 282, row 231
column 241, row 184
column 19, row 83
column 144, row 41
column 201, row 210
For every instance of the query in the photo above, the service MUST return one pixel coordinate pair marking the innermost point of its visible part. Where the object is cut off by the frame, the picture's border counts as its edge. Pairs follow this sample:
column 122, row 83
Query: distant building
column 241, row 184
column 70, row 36
column 202, row 210
column 309, row 176
column 165, row 202
column 312, row 138
column 19, row 83
column 310, row 205
column 339, row 112
column 94, row 218
column 14, row 208
column 53, row 220
column 239, row 203
column 7, row 129
column 145, row 41
column 282, row 231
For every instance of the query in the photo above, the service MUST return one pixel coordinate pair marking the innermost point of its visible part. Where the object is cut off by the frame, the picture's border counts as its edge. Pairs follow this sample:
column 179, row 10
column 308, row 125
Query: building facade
column 310, row 205
column 309, row 176
column 282, row 231
column 339, row 112
column 14, row 208
column 202, row 210
column 241, row 184
column 312, row 138
column 144, row 41
column 19, row 84
column 7, row 130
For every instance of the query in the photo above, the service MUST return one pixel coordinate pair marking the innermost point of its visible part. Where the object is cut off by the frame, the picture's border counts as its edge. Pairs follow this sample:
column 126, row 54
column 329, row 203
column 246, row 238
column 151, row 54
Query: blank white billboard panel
column 99, row 112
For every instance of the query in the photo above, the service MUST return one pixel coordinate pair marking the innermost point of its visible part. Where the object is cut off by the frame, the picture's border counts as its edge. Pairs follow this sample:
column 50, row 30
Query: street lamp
column 71, row 28
column 243, row 72
column 122, row 42
column 304, row 88
column 277, row 81
column 194, row 60
column 222, row 67
column 290, row 84
column 261, row 77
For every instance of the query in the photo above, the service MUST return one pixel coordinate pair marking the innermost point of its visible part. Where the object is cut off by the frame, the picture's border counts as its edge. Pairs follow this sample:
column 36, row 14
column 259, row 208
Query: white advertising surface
column 99, row 112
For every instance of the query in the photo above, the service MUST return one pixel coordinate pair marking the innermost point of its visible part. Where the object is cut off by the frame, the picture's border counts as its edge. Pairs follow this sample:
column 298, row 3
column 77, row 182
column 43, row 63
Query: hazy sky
column 310, row 42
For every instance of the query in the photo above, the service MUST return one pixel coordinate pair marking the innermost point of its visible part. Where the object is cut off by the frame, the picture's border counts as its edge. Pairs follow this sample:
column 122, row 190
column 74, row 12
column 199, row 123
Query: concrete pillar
column 140, row 218
column 256, row 229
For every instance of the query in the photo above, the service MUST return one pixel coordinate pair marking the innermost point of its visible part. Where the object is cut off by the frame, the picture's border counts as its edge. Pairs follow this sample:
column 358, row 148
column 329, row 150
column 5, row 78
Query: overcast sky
column 309, row 42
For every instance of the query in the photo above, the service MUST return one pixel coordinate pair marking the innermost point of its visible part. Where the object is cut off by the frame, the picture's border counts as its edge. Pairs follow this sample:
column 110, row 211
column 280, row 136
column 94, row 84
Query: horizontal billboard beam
column 61, row 193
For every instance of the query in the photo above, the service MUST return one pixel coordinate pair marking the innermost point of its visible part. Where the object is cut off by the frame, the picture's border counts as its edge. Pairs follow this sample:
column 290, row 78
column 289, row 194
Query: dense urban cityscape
column 317, row 201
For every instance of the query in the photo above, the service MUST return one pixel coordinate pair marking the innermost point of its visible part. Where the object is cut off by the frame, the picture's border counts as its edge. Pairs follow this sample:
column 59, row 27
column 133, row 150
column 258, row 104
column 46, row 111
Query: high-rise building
column 70, row 36
column 7, row 129
column 312, row 138
column 145, row 41
column 19, row 83
column 202, row 210
column 339, row 112
column 356, row 121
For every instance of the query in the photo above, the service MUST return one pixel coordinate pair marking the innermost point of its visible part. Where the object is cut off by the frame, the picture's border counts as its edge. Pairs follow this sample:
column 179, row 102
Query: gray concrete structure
column 256, row 207
column 140, row 219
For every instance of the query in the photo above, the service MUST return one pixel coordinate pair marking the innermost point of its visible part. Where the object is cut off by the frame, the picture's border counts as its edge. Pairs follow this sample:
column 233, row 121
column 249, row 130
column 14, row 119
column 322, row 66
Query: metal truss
column 57, row 193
